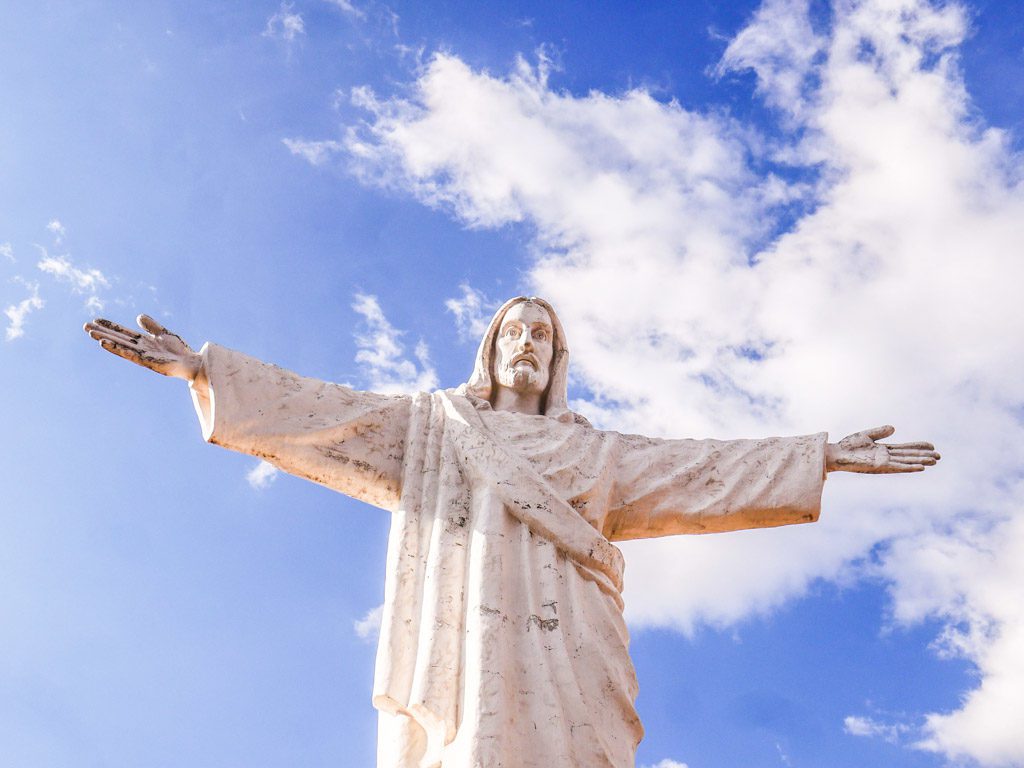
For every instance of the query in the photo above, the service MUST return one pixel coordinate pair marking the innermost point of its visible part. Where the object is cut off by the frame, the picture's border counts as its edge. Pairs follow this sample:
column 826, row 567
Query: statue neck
column 506, row 399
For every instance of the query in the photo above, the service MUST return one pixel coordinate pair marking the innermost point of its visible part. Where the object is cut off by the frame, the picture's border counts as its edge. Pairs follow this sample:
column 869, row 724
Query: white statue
column 503, row 642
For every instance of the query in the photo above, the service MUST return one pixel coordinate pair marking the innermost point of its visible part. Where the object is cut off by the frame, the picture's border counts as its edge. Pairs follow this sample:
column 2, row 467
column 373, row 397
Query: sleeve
column 665, row 487
column 350, row 441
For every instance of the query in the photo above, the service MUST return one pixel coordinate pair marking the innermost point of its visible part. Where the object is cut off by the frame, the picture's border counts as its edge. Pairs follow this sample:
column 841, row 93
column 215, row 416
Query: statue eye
column 540, row 335
column 512, row 332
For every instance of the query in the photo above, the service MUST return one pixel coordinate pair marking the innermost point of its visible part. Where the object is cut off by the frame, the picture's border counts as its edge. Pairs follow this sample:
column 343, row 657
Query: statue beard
column 525, row 379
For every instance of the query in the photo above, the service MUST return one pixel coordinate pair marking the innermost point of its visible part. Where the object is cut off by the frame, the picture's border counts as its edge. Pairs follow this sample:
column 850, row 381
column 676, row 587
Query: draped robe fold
column 502, row 643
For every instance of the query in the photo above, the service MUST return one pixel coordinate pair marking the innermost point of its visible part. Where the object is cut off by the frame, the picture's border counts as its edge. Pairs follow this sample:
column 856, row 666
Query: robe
column 502, row 642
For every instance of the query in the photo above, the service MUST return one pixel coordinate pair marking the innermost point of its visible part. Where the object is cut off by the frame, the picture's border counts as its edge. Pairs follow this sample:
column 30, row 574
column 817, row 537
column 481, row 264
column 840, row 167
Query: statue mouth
column 516, row 361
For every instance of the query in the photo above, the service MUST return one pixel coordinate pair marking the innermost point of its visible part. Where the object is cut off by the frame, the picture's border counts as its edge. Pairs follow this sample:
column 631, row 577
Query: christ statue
column 503, row 643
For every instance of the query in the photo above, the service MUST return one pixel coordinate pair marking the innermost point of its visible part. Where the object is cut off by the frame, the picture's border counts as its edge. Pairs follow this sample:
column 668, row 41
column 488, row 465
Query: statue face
column 524, row 348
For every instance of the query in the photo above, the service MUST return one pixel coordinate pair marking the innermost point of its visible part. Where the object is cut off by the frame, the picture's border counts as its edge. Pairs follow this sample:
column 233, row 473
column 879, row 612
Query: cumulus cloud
column 971, row 577
column 781, row 47
column 89, row 281
column 892, row 297
column 17, row 313
column 368, row 626
column 285, row 25
column 261, row 475
column 382, row 354
column 472, row 312
column 7, row 252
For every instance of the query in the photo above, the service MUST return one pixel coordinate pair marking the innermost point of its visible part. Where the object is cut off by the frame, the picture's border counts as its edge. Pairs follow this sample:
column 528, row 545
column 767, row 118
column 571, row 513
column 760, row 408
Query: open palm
column 157, row 348
column 861, row 452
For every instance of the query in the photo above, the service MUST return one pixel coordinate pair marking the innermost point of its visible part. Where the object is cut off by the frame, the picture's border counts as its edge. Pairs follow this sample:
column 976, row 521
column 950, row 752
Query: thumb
column 879, row 432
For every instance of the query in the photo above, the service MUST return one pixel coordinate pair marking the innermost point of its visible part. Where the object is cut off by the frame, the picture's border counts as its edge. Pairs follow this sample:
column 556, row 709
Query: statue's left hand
column 158, row 349
column 860, row 452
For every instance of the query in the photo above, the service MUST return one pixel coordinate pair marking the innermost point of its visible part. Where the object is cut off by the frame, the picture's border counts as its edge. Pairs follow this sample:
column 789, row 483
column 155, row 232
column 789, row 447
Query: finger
column 110, row 325
column 148, row 323
column 921, row 445
column 894, row 469
column 123, row 333
column 912, row 452
column 879, row 432
column 116, row 338
column 911, row 461
column 915, row 460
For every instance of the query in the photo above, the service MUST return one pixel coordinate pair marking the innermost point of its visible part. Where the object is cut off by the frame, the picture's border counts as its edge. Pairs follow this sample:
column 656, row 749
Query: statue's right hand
column 157, row 349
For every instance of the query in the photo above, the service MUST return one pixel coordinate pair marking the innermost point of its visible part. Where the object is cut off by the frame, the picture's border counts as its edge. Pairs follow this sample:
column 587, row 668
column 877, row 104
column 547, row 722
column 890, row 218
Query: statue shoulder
column 580, row 419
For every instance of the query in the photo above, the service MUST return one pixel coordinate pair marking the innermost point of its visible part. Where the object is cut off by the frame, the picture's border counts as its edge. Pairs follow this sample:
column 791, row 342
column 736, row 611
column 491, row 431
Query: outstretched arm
column 668, row 487
column 350, row 441
column 860, row 452
column 157, row 349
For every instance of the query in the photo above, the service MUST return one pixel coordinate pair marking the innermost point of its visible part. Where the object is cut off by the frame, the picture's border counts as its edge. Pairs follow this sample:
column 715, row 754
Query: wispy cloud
column 285, row 25
column 314, row 152
column 368, row 626
column 667, row 763
column 347, row 7
column 7, row 251
column 891, row 297
column 58, row 231
column 89, row 281
column 383, row 357
column 261, row 475
column 867, row 726
column 17, row 313
column 472, row 312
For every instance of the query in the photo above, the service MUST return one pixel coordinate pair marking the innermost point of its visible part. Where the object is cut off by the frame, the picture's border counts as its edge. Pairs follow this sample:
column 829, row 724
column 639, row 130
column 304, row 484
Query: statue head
column 524, row 349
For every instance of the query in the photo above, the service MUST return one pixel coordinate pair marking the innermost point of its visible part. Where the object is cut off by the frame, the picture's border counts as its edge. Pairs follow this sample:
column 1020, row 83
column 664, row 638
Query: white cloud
column 313, row 152
column 89, row 281
column 667, row 763
column 348, row 8
column 285, row 25
column 7, row 252
column 383, row 357
column 17, row 313
column 261, row 475
column 58, row 230
column 893, row 298
column 368, row 626
column 780, row 45
column 971, row 578
column 866, row 726
column 472, row 312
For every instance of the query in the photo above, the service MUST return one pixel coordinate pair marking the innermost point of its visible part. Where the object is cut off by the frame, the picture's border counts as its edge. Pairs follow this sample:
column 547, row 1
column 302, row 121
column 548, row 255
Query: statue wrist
column 831, row 457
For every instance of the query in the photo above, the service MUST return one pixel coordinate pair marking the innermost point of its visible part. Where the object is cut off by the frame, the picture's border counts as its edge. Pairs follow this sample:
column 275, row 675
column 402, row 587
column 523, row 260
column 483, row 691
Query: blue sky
column 772, row 218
